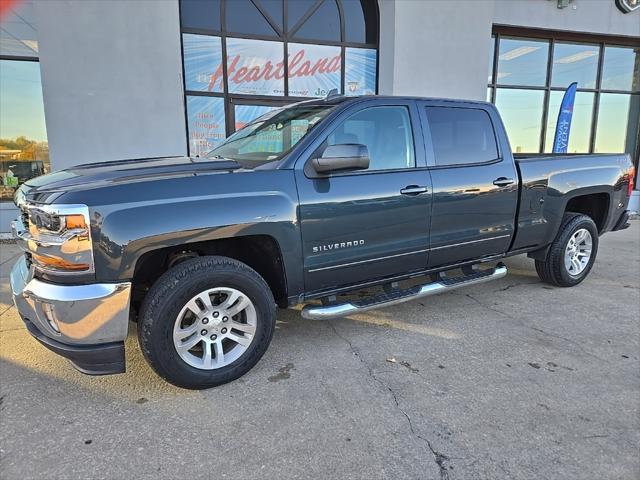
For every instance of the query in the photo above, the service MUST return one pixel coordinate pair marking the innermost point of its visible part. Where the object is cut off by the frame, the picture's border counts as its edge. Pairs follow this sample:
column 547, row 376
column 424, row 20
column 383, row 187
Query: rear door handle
column 503, row 181
column 414, row 190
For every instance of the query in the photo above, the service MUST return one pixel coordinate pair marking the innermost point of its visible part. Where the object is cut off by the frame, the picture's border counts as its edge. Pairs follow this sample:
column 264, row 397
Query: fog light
column 50, row 315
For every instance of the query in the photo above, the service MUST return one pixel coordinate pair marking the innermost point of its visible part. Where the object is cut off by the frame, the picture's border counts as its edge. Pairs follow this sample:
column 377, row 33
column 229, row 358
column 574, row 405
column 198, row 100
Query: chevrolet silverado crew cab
column 303, row 204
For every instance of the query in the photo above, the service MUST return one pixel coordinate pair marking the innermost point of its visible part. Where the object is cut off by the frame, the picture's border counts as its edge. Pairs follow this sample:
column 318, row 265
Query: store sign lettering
column 298, row 67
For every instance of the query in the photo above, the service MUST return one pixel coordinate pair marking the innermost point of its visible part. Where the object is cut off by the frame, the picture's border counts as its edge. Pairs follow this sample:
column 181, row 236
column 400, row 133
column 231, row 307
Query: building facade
column 85, row 81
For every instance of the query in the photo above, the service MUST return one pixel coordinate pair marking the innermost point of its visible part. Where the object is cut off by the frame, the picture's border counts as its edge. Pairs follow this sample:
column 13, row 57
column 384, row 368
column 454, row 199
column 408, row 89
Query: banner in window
column 254, row 67
column 360, row 71
column 314, row 70
column 202, row 63
column 205, row 117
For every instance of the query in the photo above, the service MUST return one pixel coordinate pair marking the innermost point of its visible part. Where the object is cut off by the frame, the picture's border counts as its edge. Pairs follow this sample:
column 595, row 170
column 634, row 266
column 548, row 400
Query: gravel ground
column 511, row 379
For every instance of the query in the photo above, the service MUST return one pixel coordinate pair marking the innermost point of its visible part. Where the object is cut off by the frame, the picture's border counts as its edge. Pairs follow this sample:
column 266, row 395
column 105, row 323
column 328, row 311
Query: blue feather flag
column 563, row 126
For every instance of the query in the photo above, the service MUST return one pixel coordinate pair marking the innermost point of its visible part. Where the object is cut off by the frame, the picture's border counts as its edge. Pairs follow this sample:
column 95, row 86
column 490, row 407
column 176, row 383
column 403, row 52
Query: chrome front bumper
column 73, row 318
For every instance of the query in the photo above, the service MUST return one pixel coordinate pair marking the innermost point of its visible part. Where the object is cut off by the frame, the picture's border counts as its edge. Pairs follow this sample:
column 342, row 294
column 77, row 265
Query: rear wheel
column 572, row 253
column 206, row 322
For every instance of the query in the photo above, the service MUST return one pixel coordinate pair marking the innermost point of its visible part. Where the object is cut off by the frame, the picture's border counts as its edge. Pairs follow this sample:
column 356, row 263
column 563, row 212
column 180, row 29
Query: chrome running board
column 327, row 312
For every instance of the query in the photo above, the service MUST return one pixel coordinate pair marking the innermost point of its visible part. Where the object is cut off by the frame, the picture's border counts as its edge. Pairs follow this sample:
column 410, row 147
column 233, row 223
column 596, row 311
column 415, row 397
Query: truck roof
column 338, row 99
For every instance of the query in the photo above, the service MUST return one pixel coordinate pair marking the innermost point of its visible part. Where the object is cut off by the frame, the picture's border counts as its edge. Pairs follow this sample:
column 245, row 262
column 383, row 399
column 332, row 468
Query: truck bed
column 548, row 183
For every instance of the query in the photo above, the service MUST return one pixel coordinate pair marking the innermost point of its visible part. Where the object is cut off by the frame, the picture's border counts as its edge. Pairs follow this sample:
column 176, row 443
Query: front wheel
column 572, row 253
column 206, row 322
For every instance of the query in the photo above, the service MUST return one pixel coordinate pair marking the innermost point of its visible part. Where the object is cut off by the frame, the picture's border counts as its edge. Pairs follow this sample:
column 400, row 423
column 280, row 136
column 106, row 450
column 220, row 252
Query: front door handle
column 503, row 181
column 414, row 190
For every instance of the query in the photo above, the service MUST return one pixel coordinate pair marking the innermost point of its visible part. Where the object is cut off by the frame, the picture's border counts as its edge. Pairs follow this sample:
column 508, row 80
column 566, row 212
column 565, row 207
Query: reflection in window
column 621, row 69
column 247, row 113
column 296, row 10
column 272, row 135
column 386, row 132
column 200, row 15
column 323, row 24
column 611, row 73
column 521, row 112
column 18, row 35
column 574, row 63
column 618, row 118
column 24, row 152
column 522, row 62
column 274, row 9
column 580, row 134
column 243, row 17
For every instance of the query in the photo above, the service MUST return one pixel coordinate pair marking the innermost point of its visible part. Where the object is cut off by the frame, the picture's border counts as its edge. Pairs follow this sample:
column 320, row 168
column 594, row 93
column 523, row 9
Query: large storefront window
column 243, row 58
column 528, row 78
column 24, row 152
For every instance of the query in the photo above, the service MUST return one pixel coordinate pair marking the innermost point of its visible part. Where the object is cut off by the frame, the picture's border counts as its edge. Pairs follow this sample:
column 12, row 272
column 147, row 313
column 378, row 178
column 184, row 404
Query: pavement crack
column 440, row 459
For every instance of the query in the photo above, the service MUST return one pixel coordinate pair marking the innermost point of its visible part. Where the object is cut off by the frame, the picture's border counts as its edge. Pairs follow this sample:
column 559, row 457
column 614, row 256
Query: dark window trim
column 19, row 58
column 284, row 36
column 562, row 35
column 556, row 36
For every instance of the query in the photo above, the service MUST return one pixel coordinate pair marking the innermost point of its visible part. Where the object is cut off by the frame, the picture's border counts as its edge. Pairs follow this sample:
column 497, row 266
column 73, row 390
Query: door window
column 461, row 135
column 385, row 131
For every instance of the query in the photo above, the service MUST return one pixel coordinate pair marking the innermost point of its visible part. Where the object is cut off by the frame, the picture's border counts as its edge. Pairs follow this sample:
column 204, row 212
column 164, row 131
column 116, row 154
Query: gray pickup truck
column 304, row 204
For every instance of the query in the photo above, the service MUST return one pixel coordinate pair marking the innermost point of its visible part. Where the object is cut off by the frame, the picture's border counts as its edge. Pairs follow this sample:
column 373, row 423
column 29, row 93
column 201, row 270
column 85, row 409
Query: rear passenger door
column 475, row 189
column 363, row 225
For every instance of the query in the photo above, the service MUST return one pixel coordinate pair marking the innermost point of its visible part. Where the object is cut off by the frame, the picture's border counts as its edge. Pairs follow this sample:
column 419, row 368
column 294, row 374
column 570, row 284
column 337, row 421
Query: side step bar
column 327, row 312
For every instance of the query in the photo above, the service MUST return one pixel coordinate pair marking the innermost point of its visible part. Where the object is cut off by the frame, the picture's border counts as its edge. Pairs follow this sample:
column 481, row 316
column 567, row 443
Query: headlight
column 58, row 237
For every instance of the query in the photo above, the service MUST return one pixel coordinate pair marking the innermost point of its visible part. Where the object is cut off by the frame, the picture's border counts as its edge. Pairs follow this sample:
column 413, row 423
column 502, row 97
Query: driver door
column 364, row 225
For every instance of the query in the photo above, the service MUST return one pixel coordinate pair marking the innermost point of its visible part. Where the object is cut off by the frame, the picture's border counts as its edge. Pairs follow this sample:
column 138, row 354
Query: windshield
column 271, row 136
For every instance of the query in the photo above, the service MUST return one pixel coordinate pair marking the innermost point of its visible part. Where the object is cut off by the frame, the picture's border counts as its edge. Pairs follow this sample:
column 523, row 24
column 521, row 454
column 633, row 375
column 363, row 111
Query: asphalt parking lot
column 507, row 380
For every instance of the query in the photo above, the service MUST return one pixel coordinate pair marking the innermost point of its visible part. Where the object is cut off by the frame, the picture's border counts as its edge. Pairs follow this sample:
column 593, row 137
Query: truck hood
column 123, row 171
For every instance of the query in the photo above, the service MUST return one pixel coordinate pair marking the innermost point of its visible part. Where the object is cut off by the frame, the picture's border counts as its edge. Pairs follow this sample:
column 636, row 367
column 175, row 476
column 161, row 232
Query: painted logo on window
column 256, row 67
column 206, row 123
column 314, row 70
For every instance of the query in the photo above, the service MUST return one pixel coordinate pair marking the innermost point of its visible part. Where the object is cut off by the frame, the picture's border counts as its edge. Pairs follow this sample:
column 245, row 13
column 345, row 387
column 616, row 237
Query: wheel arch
column 594, row 205
column 260, row 252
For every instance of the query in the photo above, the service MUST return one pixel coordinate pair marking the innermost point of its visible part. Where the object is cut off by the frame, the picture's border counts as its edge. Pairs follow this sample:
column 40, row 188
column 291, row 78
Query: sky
column 21, row 105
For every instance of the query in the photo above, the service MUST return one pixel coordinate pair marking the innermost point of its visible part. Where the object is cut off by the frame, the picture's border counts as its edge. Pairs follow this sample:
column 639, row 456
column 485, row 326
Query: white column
column 111, row 79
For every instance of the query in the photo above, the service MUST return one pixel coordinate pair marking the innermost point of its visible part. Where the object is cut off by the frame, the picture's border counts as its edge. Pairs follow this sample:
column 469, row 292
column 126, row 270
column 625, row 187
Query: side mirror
column 347, row 156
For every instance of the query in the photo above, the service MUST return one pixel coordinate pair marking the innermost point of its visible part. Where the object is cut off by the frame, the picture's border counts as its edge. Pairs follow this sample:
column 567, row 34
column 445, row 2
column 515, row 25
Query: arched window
column 244, row 57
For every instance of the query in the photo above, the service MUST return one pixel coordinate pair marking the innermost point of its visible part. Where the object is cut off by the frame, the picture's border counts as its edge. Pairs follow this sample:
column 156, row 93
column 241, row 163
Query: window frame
column 35, row 59
column 303, row 159
column 435, row 166
column 283, row 35
column 554, row 37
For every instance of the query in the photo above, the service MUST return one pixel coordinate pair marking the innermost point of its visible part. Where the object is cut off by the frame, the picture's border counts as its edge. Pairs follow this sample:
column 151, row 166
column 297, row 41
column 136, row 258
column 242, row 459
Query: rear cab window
column 461, row 135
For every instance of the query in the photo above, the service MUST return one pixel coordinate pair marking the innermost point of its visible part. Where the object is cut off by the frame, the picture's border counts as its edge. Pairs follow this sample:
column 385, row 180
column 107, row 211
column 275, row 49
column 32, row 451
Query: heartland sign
column 250, row 70
column 257, row 67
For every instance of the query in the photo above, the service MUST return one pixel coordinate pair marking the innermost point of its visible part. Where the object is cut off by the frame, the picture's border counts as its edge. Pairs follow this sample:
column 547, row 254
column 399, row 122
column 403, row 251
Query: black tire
column 552, row 270
column 170, row 294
